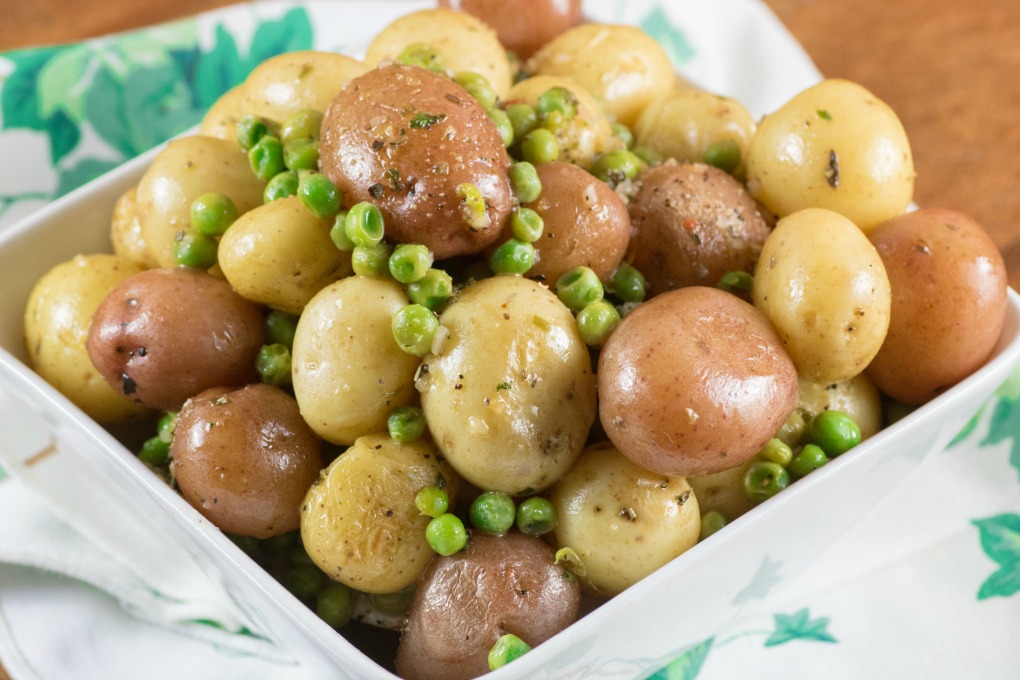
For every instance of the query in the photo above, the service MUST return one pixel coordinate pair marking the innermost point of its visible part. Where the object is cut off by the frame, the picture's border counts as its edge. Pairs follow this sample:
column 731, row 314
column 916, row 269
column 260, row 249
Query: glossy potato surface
column 292, row 81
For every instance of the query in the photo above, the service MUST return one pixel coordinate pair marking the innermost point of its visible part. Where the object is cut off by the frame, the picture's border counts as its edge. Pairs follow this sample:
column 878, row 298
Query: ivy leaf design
column 768, row 575
column 61, row 83
column 64, row 135
column 1005, row 425
column 1000, row 539
column 687, row 666
column 968, row 429
column 19, row 99
column 799, row 626
column 657, row 25
column 84, row 171
column 218, row 70
column 289, row 33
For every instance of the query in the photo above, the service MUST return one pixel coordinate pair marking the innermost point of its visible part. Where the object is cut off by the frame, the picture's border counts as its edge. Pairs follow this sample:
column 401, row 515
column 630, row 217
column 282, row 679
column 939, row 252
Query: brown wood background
column 950, row 69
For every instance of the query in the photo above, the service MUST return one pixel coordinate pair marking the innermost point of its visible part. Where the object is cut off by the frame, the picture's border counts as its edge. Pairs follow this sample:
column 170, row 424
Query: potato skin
column 126, row 231
column 523, row 26
column 948, row 302
column 694, row 381
column 692, row 224
column 856, row 397
column 220, row 121
column 405, row 138
column 586, row 223
column 165, row 335
column 245, row 459
column 292, row 81
column 465, row 602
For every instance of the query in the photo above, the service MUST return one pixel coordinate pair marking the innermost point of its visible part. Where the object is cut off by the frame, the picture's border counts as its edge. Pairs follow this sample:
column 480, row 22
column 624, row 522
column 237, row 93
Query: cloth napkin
column 924, row 586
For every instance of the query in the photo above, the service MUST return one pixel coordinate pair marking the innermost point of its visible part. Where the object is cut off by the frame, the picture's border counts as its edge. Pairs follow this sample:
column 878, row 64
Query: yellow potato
column 280, row 255
column 856, row 397
column 287, row 83
column 723, row 492
column 349, row 372
column 57, row 320
column 220, row 121
column 835, row 146
column 359, row 522
column 510, row 395
column 126, row 231
column 823, row 286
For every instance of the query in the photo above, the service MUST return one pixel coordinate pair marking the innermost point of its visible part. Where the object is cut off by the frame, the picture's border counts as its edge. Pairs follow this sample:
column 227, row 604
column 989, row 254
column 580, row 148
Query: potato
column 465, row 602
column 510, row 396
column 692, row 224
column 835, row 146
column 407, row 139
column 220, row 121
column 948, row 302
column 245, row 459
column 463, row 42
column 823, row 286
column 523, row 26
column 280, row 255
column 289, row 82
column 622, row 66
column 686, row 122
column 57, row 318
column 359, row 523
column 584, row 136
column 126, row 231
column 586, row 223
column 349, row 372
column 694, row 381
column 180, row 173
column 622, row 521
column 856, row 397
column 723, row 491
column 164, row 335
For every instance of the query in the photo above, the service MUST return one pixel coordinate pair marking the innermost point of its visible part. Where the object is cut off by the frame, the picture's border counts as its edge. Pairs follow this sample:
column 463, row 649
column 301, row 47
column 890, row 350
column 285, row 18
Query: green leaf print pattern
column 799, row 626
column 657, row 25
column 1000, row 539
column 687, row 665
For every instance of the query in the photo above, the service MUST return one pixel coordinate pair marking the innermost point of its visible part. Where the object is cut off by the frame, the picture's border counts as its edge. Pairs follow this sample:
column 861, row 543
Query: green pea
column 508, row 648
column 596, row 322
column 628, row 283
column 281, row 186
column 414, row 328
column 364, row 225
column 446, row 534
column 711, row 522
column 503, row 125
column 166, row 426
column 301, row 154
column 523, row 118
column 492, row 512
column 557, row 99
column 835, row 432
column 393, row 603
column 793, row 429
column 194, row 250
column 810, row 458
column 422, row 56
column 406, row 424
column 724, row 154
column 432, row 501
column 279, row 328
column 525, row 182
column 432, row 290
column 212, row 213
column 764, row 480
column 250, row 129
column 526, row 225
column 281, row 544
column 512, row 257
column 303, row 124
column 338, row 233
column 304, row 581
column 477, row 86
column 472, row 206
column 623, row 133
column 536, row 516
column 155, row 451
column 616, row 166
column 318, row 194
column 540, row 146
column 266, row 157
column 372, row 261
column 648, row 156
column 273, row 364
column 333, row 605
column 410, row 262
column 578, row 288
column 735, row 281
column 776, row 451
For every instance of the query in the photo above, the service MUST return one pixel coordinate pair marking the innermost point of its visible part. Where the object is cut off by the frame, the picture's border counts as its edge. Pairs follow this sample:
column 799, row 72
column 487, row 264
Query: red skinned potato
column 464, row 603
column 694, row 382
column 525, row 25
column 245, row 459
column 406, row 139
column 165, row 335
column 948, row 285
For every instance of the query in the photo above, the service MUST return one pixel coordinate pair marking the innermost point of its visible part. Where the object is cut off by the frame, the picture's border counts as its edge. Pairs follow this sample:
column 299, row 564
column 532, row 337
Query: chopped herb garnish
column 503, row 386
column 424, row 121
column 823, row 114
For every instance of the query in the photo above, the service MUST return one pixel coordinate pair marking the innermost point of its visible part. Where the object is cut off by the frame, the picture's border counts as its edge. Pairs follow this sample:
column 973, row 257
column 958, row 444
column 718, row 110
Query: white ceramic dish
column 61, row 453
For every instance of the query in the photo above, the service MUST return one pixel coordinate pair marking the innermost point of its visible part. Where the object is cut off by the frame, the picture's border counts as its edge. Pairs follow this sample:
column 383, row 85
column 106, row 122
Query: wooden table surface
column 948, row 68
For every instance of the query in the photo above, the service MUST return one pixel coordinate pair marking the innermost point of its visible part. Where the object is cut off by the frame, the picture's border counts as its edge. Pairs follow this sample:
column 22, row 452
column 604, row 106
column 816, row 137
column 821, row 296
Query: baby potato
column 856, row 397
column 463, row 42
column 823, row 286
column 245, row 459
column 510, row 395
column 180, row 173
column 57, row 319
column 359, row 523
column 289, row 82
column 348, row 371
column 723, row 492
column 694, row 381
column 523, row 26
column 686, row 123
column 126, row 231
column 622, row 66
column 948, row 302
column 280, row 255
column 220, row 121
column 624, row 522
column 465, row 602
column 835, row 146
